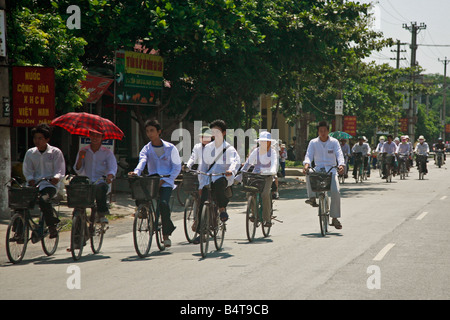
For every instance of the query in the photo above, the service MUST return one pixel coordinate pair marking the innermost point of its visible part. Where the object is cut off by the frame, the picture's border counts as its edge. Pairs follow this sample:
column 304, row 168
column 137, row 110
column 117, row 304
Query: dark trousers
column 101, row 191
column 218, row 193
column 45, row 195
column 163, row 207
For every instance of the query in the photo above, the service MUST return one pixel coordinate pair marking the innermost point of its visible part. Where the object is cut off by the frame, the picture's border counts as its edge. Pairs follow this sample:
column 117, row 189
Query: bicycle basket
column 80, row 195
column 144, row 188
column 22, row 198
column 320, row 181
column 253, row 183
column 190, row 182
column 421, row 158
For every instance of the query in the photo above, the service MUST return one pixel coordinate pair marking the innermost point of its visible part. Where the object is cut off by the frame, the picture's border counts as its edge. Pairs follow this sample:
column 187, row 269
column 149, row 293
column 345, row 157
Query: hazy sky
column 434, row 13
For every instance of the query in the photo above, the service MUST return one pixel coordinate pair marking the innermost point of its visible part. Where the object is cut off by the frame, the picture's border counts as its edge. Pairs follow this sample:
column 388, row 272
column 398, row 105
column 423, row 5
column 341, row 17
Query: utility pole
column 444, row 112
column 414, row 29
column 398, row 67
column 5, row 122
column 398, row 53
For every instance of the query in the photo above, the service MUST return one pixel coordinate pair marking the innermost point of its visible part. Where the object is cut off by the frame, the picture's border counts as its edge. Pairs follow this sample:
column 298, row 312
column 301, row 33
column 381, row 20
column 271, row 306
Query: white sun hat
column 265, row 136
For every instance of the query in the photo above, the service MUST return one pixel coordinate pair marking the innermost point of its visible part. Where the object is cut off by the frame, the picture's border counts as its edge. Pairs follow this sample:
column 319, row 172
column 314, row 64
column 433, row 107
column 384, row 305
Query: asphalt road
column 395, row 244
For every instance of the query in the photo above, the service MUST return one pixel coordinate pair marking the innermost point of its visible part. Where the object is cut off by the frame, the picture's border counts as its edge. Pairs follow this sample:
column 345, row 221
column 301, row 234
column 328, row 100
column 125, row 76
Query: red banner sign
column 349, row 125
column 447, row 128
column 33, row 96
column 404, row 125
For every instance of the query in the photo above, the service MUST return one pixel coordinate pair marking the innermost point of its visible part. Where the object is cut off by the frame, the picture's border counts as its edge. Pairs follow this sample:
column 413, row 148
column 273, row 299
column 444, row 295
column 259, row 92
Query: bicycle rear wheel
column 49, row 246
column 77, row 235
column 251, row 218
column 204, row 230
column 16, row 238
column 190, row 218
column 142, row 230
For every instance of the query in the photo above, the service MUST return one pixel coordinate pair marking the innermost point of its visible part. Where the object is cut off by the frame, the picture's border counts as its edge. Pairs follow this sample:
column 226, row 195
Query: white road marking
column 383, row 252
column 443, row 197
column 422, row 215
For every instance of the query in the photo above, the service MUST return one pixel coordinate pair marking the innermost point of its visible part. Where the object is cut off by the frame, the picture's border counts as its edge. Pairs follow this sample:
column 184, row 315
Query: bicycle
column 321, row 184
column 342, row 176
column 359, row 164
column 190, row 185
column 254, row 184
column 388, row 160
column 402, row 168
column 146, row 221
column 80, row 196
column 22, row 200
column 210, row 223
column 421, row 163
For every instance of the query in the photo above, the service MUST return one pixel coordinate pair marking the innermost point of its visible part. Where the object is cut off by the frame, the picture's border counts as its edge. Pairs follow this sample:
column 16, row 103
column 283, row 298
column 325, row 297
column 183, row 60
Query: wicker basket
column 80, row 195
column 22, row 198
column 144, row 188
column 190, row 182
column 253, row 183
column 320, row 181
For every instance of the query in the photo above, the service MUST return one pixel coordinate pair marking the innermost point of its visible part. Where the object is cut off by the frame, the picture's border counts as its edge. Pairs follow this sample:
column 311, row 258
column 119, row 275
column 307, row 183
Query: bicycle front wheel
column 159, row 232
column 16, row 238
column 49, row 246
column 77, row 235
column 266, row 227
column 190, row 218
column 323, row 215
column 96, row 232
column 251, row 218
column 219, row 228
column 142, row 230
column 204, row 230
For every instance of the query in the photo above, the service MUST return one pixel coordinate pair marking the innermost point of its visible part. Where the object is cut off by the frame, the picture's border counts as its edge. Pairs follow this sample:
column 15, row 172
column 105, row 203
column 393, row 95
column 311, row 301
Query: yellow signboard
column 143, row 64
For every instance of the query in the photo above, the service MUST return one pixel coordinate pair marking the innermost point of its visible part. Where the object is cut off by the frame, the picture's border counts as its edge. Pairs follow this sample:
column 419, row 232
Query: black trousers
column 218, row 193
column 45, row 195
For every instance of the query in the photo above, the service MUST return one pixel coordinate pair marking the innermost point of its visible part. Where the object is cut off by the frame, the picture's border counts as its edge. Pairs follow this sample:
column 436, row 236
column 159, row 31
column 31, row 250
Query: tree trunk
column 275, row 115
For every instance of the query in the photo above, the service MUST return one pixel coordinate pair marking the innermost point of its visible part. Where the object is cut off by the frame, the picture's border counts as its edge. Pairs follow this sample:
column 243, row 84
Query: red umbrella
column 81, row 123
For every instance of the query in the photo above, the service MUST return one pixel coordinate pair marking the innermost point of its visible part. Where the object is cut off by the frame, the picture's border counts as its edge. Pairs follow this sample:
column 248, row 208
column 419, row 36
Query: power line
column 397, row 11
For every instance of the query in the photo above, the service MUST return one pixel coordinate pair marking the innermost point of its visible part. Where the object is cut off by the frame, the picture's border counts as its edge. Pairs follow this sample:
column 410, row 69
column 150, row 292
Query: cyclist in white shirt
column 197, row 151
column 96, row 161
column 326, row 152
column 44, row 161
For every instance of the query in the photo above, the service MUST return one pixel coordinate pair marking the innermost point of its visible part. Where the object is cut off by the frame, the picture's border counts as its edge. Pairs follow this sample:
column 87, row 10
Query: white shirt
column 422, row 148
column 196, row 156
column 228, row 161
column 266, row 164
column 169, row 163
column 389, row 148
column 49, row 164
column 364, row 148
column 403, row 148
column 97, row 164
column 379, row 147
column 324, row 154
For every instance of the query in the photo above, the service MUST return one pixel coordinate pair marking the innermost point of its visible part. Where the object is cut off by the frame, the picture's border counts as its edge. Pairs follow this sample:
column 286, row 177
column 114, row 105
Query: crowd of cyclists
column 211, row 155
column 398, row 148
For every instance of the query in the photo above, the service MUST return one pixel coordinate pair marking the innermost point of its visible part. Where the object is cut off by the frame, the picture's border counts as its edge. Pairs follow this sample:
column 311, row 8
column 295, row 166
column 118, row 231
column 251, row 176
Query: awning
column 96, row 86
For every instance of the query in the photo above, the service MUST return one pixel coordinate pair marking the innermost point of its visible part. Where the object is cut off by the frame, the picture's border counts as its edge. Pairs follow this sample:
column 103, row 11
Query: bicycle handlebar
column 333, row 167
column 207, row 174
